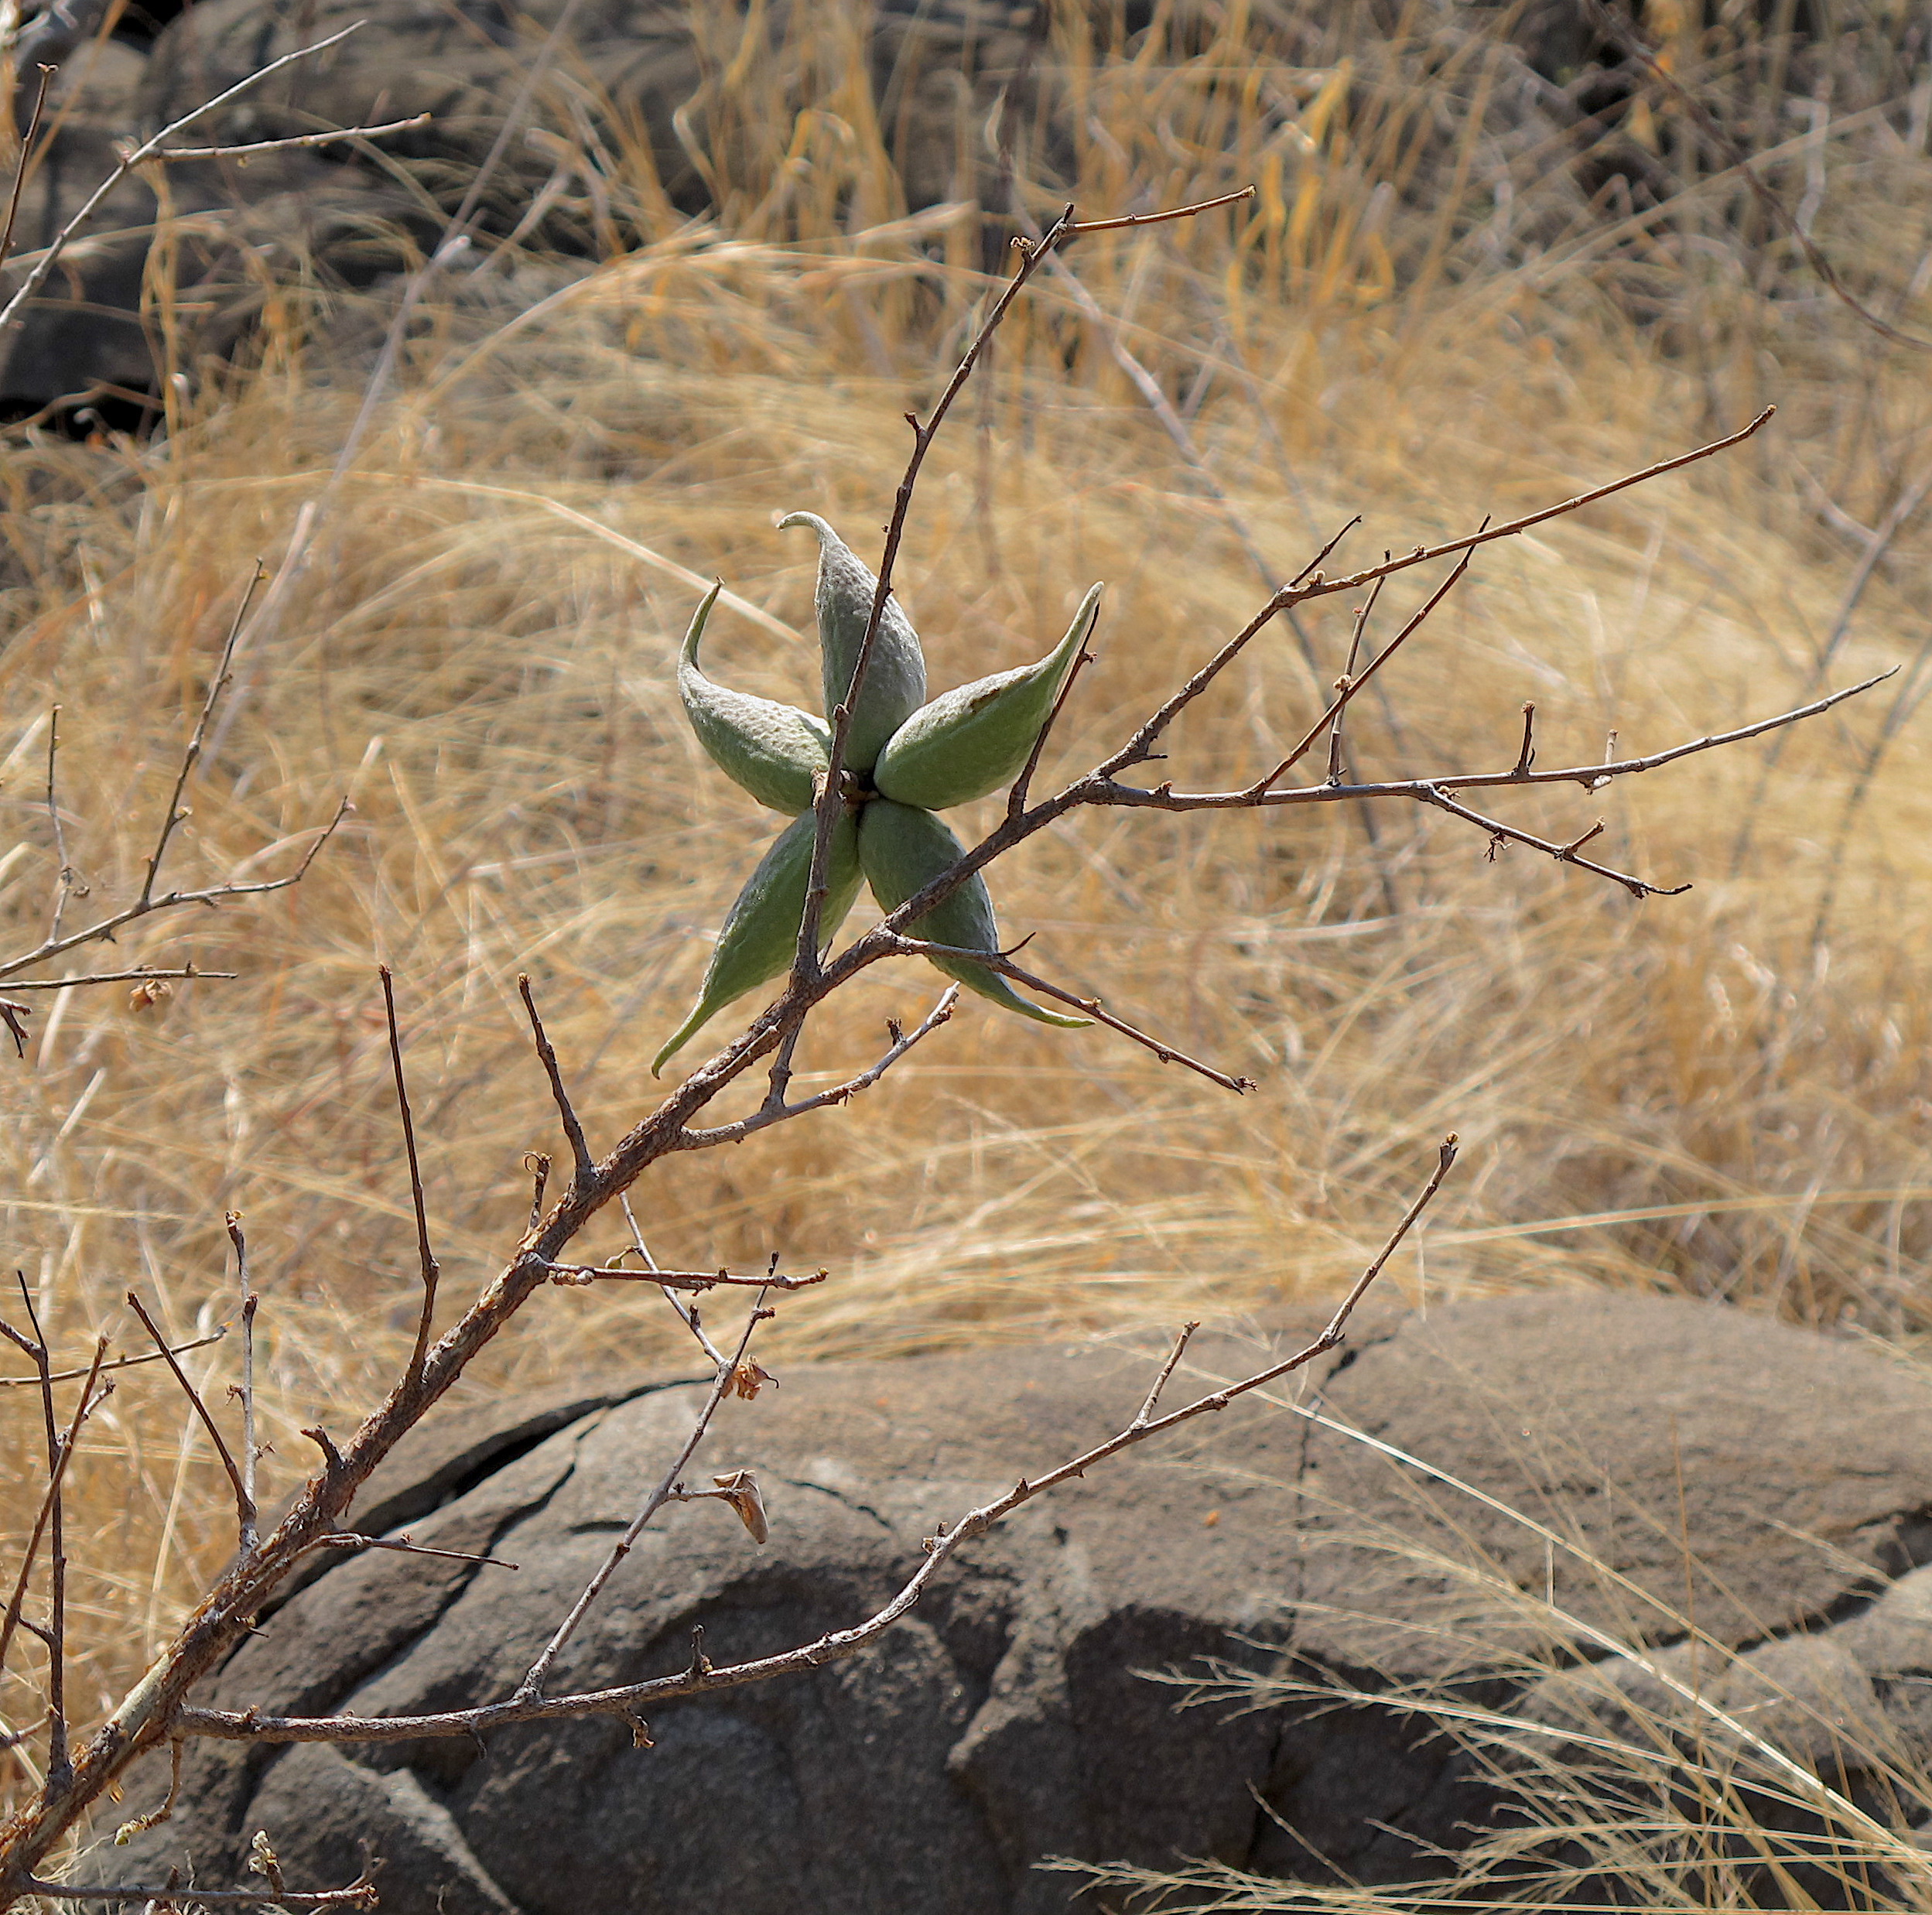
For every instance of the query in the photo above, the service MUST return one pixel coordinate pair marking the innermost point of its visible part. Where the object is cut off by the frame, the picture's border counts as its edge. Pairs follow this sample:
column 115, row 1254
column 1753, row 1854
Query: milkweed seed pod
column 773, row 751
column 894, row 678
column 971, row 741
column 901, row 850
column 760, row 938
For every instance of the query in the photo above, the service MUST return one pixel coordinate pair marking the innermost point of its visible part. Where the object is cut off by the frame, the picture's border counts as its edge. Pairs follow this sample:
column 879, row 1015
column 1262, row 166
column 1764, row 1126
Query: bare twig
column 50, row 1512
column 155, row 1817
column 119, row 1363
column 244, row 1502
column 132, row 159
column 1526, row 756
column 27, row 136
column 1563, row 853
column 407, row 1546
column 174, row 815
column 288, row 142
column 576, row 1276
column 140, row 974
column 1125, row 220
column 1363, row 612
column 687, row 1313
column 59, row 1769
column 1091, row 1007
column 357, row 1895
column 68, row 883
column 249, row 1302
column 766, row 1115
column 425, row 1257
column 1167, row 1370
column 703, row 1676
column 1318, row 585
column 1592, row 776
column 584, row 1164
column 1351, row 684
column 532, row 1684
column 1017, row 793
column 105, row 927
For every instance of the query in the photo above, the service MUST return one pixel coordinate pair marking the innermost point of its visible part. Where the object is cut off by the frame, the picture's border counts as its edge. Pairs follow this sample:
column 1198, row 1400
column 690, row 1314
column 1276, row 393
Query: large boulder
column 1678, row 1456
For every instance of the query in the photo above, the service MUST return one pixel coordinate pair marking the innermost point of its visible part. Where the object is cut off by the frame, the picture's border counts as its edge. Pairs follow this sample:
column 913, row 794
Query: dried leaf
column 739, row 1488
column 149, row 994
column 263, row 1860
column 749, row 1377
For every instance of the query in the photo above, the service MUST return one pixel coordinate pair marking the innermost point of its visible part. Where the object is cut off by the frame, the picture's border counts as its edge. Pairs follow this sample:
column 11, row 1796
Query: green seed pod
column 773, row 751
column 895, row 677
column 759, row 937
column 971, row 741
column 901, row 850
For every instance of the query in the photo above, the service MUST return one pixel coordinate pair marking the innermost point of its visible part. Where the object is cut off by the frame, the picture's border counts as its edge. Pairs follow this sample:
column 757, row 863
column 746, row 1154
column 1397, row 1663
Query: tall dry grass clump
column 1425, row 315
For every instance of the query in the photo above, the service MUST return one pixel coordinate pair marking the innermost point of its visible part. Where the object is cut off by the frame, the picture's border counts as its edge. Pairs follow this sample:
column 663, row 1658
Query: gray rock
column 1009, row 1718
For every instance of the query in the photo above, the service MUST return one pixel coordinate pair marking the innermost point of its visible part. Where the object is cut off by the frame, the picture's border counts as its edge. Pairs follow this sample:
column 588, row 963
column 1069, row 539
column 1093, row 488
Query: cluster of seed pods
column 907, row 759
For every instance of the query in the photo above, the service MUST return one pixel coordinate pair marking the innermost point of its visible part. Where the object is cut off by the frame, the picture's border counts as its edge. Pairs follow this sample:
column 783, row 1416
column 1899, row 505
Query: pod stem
column 1033, row 255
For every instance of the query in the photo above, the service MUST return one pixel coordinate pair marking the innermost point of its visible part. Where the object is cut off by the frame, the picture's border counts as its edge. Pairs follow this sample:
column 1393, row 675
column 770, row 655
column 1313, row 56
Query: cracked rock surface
column 1677, row 1455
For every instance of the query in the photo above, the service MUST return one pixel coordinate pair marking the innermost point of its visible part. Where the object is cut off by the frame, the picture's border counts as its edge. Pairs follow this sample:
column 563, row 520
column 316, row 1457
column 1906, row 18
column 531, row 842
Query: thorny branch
column 157, row 1709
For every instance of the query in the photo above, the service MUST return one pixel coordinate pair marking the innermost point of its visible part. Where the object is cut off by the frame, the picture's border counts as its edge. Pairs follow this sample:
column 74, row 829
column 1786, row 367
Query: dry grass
column 1725, row 1092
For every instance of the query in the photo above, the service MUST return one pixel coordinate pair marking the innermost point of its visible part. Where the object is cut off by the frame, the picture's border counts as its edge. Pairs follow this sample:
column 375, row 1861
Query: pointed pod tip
column 1058, row 1019
column 818, row 525
column 682, row 1036
column 694, row 632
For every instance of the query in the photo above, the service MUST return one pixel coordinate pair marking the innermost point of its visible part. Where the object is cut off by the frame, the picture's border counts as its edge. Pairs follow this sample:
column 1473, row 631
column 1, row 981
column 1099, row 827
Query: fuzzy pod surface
column 773, row 751
column 760, row 936
column 901, row 850
column 895, row 676
column 972, row 740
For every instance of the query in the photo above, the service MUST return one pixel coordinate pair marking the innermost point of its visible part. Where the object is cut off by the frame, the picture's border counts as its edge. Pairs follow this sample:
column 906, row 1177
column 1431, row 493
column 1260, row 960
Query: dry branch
column 703, row 1677
column 157, row 1707
column 134, row 157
